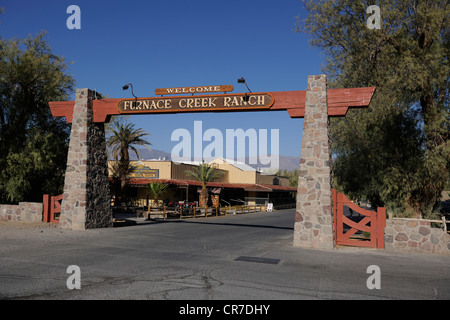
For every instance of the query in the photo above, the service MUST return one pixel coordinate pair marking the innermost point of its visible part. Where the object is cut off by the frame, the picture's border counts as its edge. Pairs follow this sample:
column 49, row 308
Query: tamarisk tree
column 33, row 144
column 397, row 153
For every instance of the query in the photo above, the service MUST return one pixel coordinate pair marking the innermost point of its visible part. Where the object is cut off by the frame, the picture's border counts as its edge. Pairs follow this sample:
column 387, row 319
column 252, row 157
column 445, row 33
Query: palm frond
column 204, row 173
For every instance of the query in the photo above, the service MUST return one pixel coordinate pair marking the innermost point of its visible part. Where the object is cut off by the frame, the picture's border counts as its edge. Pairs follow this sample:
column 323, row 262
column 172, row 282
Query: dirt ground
column 17, row 227
column 15, row 235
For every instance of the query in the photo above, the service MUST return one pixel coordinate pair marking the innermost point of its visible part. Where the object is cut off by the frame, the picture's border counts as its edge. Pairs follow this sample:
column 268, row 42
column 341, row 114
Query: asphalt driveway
column 243, row 257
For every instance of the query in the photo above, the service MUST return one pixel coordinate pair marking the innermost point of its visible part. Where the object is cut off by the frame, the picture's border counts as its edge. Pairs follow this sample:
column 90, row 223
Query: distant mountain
column 285, row 162
column 289, row 162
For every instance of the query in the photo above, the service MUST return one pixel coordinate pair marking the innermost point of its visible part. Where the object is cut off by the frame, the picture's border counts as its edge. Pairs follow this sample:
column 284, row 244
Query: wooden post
column 52, row 208
column 445, row 224
column 46, row 202
column 381, row 225
column 164, row 208
column 334, row 211
column 148, row 212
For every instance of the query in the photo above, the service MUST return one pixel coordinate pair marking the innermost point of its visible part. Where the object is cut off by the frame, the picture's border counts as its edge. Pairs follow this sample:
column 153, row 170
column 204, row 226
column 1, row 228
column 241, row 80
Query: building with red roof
column 238, row 184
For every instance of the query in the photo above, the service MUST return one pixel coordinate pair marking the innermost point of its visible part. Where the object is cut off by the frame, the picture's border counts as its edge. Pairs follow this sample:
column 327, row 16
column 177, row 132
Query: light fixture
column 246, row 96
column 125, row 87
column 242, row 80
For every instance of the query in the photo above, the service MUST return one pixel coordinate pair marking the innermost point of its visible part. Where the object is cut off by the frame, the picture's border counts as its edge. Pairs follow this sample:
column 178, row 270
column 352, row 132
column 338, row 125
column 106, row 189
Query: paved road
column 196, row 259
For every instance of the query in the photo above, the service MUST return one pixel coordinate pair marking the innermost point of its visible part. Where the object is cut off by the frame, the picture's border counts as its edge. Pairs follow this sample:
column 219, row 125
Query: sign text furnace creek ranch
column 223, row 102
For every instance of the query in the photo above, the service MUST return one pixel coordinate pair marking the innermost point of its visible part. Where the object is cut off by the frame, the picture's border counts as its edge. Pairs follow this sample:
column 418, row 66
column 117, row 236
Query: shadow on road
column 226, row 224
column 132, row 223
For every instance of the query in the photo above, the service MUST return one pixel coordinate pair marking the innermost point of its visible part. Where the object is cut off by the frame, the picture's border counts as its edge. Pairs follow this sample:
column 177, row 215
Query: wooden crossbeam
column 339, row 101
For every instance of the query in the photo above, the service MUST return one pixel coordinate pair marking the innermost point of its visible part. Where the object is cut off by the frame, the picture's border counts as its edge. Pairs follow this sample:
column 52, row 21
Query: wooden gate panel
column 52, row 206
column 377, row 221
column 56, row 208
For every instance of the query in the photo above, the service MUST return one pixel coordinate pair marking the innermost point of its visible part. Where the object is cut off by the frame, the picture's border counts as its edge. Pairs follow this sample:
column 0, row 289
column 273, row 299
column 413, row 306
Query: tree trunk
column 203, row 199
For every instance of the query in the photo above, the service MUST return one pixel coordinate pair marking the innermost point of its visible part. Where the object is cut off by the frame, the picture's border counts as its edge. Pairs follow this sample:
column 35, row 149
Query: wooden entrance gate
column 366, row 230
column 316, row 104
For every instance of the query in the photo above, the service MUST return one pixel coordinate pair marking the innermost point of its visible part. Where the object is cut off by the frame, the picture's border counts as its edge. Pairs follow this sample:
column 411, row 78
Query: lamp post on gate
column 125, row 87
column 242, row 80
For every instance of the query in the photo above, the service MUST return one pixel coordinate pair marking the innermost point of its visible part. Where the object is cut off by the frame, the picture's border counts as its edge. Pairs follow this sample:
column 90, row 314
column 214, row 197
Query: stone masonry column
column 313, row 218
column 86, row 201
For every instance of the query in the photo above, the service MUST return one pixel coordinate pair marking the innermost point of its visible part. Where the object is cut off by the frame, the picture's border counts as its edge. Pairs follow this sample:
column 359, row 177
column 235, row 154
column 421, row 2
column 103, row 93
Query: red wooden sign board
column 192, row 90
column 339, row 100
column 202, row 103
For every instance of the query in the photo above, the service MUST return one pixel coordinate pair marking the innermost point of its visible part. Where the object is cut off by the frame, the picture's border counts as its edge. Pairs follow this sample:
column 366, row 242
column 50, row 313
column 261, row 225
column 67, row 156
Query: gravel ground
column 14, row 229
column 16, row 235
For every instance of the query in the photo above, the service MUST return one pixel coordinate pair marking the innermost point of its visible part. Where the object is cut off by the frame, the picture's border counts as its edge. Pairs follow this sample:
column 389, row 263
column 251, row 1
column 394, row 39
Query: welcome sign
column 192, row 90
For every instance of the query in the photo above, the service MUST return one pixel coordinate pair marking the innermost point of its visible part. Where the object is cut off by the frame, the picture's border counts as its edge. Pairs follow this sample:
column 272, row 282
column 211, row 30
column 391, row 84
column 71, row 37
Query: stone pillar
column 313, row 218
column 86, row 203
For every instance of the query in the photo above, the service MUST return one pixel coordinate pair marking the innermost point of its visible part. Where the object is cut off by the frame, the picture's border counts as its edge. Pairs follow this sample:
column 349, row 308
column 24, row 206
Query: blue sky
column 158, row 44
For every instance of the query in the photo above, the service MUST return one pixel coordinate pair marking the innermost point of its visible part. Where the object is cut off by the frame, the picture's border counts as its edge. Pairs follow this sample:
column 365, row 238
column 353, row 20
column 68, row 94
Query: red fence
column 373, row 224
column 52, row 208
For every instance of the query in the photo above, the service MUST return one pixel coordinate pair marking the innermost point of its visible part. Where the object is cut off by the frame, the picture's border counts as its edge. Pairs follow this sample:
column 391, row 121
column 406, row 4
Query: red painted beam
column 289, row 100
column 104, row 108
column 339, row 100
column 62, row 109
column 353, row 97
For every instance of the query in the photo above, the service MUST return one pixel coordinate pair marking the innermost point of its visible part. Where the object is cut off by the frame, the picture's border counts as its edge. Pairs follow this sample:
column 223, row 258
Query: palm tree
column 156, row 189
column 204, row 173
column 122, row 137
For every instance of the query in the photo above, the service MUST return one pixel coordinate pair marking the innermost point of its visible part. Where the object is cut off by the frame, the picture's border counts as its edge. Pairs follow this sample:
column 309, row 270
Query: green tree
column 292, row 175
column 114, row 123
column 155, row 190
column 33, row 144
column 122, row 138
column 397, row 153
column 204, row 173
